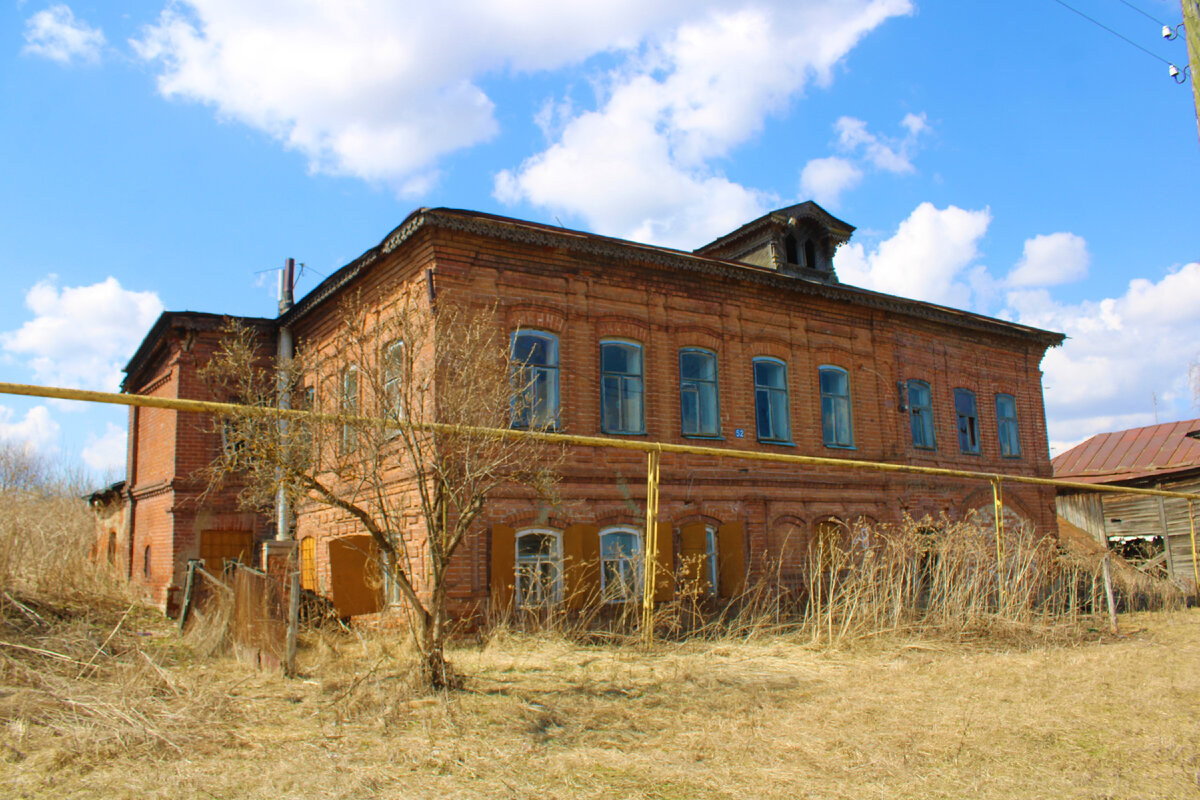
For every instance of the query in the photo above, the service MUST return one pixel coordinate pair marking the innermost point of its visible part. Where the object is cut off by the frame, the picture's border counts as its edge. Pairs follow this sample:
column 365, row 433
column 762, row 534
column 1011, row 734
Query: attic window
column 791, row 255
column 810, row 254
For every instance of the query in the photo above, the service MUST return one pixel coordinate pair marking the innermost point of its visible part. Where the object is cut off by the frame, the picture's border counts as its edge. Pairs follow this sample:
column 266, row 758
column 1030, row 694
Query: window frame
column 972, row 422
column 771, row 391
column 393, row 381
column 696, row 385
column 837, row 400
column 555, row 561
column 530, row 384
column 623, row 429
column 1012, row 424
column 348, row 406
column 924, row 413
column 712, row 549
column 631, row 590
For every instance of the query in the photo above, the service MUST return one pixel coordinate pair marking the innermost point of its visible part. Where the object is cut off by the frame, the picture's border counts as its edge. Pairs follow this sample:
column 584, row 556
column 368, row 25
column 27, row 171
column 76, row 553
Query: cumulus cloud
column 1049, row 260
column 824, row 179
column 36, row 430
column 105, row 453
column 81, row 336
column 1121, row 351
column 883, row 153
column 928, row 257
column 641, row 164
column 56, row 34
column 377, row 89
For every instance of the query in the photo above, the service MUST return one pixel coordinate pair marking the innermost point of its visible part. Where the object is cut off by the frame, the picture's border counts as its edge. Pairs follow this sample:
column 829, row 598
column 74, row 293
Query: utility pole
column 1191, row 28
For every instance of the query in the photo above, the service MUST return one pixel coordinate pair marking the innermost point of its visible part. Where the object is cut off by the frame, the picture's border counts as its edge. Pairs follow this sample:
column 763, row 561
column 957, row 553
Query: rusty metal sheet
column 1131, row 454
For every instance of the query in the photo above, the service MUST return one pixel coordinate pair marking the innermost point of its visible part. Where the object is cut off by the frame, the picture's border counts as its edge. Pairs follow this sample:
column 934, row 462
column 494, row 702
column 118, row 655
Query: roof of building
column 539, row 234
column 809, row 209
column 1132, row 455
column 192, row 320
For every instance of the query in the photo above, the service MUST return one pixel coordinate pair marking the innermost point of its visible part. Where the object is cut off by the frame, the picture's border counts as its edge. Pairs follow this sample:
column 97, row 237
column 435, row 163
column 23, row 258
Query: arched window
column 308, row 563
column 1006, row 422
column 621, row 565
column 836, row 423
column 968, row 420
column 539, row 568
column 771, row 400
column 920, row 406
column 790, row 250
column 621, row 406
column 810, row 255
column 146, row 562
column 535, row 378
column 393, row 379
column 348, row 405
column 698, row 402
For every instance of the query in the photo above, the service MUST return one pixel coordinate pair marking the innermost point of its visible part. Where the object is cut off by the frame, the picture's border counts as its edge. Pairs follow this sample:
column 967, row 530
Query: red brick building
column 749, row 342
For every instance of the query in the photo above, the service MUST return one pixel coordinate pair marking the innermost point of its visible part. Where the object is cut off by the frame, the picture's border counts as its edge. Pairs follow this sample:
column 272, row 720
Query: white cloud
column 81, row 336
column 926, row 259
column 105, row 454
column 377, row 89
column 1124, row 354
column 36, row 430
column 883, row 153
column 824, row 179
column 1051, row 259
column 640, row 165
column 54, row 33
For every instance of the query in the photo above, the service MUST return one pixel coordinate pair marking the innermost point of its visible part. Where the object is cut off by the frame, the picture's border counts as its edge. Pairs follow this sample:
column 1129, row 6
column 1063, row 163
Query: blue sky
column 1007, row 158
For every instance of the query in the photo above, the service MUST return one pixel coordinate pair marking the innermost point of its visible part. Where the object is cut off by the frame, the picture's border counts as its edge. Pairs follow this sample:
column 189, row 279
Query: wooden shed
column 1165, row 456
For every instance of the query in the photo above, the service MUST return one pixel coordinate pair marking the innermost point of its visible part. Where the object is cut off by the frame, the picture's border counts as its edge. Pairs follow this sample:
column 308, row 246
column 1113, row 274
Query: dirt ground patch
column 546, row 718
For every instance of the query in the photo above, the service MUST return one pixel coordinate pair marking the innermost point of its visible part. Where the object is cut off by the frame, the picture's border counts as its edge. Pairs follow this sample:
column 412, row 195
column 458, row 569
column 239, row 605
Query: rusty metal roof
column 1134, row 454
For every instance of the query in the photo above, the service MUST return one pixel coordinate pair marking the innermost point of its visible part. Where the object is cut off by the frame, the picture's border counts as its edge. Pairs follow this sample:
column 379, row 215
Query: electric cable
column 1114, row 33
column 1144, row 14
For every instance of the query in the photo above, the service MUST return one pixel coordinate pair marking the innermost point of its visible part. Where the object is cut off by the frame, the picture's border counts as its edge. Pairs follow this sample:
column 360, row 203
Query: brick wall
column 584, row 299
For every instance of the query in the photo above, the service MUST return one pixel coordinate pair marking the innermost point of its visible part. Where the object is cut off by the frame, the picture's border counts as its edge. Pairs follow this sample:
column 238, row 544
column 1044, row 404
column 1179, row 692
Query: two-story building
column 749, row 342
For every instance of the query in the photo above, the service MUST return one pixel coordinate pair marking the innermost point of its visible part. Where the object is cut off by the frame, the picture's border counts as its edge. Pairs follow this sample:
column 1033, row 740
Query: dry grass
column 100, row 698
column 86, row 673
column 776, row 717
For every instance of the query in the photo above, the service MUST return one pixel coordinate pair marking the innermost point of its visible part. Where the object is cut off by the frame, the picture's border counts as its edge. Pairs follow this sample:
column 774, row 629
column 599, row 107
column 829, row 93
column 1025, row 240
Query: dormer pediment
column 799, row 239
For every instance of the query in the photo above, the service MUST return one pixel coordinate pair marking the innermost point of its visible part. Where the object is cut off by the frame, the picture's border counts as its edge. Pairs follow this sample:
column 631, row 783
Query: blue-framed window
column 535, row 376
column 621, row 564
column 968, row 420
column 836, row 424
column 771, row 400
column 1006, row 423
column 621, row 388
column 920, row 408
column 698, row 404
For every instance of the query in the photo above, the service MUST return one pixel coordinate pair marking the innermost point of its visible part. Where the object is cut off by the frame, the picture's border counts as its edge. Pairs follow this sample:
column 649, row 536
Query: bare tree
column 399, row 393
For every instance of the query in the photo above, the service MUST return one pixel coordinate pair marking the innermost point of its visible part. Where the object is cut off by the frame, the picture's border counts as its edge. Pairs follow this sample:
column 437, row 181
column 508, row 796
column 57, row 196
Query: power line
column 1144, row 14
column 1114, row 33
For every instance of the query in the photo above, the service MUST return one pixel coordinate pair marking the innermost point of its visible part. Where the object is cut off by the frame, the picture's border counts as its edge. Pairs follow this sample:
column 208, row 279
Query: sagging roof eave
column 1131, row 477
column 537, row 234
column 165, row 320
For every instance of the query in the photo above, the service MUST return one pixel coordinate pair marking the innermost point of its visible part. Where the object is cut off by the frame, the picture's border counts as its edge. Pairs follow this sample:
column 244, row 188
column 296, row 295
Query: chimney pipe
column 287, row 284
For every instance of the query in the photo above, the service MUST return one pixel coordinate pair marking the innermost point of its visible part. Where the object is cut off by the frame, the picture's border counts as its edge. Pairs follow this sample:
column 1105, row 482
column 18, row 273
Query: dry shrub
column 916, row 578
column 954, row 578
column 83, row 667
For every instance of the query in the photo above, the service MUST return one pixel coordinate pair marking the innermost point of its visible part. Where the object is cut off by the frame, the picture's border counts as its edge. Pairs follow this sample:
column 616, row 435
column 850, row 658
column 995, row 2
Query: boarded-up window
column 219, row 547
column 354, row 575
column 308, row 563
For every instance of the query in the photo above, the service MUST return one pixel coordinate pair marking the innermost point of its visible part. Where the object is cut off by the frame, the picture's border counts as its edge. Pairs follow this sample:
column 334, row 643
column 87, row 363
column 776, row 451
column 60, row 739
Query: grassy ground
column 543, row 717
